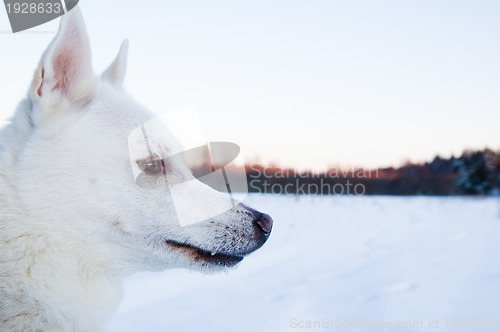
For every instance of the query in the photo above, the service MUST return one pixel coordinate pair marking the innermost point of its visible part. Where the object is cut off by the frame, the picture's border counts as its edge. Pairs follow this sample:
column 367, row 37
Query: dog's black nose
column 265, row 222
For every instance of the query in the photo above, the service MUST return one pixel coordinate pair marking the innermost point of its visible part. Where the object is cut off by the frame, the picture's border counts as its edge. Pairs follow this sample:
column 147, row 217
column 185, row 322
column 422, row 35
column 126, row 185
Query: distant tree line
column 473, row 173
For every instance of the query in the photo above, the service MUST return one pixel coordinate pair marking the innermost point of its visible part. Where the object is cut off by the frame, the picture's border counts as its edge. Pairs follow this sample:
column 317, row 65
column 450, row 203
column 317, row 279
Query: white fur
column 72, row 221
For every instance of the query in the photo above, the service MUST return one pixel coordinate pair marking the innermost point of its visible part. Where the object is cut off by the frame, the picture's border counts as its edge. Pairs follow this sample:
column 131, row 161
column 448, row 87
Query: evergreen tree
column 476, row 173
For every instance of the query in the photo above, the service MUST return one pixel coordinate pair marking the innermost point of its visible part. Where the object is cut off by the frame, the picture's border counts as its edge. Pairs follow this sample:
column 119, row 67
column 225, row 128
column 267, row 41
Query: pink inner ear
column 39, row 91
column 63, row 65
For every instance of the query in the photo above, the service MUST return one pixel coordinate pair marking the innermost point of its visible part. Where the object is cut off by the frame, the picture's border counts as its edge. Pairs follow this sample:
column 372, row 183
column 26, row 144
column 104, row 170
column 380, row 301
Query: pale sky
column 300, row 83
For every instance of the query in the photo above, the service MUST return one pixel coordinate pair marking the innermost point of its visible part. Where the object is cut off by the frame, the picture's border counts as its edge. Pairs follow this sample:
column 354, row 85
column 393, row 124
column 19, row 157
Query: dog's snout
column 265, row 222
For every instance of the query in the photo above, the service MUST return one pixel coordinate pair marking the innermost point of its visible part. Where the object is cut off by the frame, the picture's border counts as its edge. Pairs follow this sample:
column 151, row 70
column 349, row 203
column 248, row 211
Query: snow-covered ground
column 394, row 259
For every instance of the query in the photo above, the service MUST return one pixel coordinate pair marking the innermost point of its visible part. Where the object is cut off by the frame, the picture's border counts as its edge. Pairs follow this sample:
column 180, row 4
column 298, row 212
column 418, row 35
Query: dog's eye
column 152, row 167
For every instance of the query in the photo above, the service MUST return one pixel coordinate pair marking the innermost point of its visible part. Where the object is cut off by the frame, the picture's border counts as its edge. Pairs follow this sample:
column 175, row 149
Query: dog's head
column 75, row 169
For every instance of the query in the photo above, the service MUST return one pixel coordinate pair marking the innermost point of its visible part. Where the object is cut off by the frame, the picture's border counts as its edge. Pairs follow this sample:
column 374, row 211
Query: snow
column 396, row 259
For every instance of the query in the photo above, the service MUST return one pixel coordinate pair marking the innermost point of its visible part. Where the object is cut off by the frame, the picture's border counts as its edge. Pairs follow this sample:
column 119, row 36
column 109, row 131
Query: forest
column 472, row 173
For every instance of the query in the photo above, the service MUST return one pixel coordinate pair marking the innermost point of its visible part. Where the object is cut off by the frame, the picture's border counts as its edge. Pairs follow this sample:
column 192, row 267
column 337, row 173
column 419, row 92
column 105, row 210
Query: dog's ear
column 115, row 73
column 65, row 67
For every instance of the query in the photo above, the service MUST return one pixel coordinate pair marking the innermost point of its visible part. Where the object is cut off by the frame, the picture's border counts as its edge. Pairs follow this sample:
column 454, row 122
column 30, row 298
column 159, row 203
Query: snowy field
column 393, row 259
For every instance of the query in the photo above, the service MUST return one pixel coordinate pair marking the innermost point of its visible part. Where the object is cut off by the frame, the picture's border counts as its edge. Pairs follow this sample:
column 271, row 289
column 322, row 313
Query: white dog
column 73, row 222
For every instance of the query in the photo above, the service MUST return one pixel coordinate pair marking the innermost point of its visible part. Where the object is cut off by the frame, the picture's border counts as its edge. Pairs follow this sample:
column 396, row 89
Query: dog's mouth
column 205, row 257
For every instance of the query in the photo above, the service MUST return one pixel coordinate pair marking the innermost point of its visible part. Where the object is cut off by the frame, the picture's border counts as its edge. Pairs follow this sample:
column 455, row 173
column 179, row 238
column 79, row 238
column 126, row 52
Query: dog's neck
column 57, row 282
column 49, row 281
